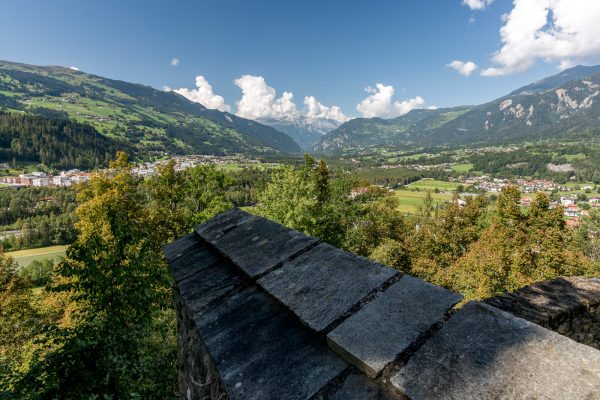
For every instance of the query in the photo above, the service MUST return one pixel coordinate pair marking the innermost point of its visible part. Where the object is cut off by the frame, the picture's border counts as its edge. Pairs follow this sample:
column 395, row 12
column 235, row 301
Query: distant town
column 146, row 169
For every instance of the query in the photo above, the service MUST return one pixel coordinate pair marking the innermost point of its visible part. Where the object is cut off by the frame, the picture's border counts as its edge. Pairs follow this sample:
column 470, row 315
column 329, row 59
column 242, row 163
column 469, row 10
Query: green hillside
column 565, row 106
column 149, row 120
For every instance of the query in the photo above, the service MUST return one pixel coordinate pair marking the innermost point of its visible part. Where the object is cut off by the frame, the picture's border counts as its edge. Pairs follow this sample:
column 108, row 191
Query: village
column 146, row 169
column 576, row 200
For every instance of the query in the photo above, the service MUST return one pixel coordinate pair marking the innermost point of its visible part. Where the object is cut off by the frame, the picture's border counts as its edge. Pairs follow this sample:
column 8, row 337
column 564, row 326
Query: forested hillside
column 146, row 118
column 56, row 142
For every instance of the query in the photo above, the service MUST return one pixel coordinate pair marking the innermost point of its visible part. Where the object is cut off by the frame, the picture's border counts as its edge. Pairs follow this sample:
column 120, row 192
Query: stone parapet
column 265, row 312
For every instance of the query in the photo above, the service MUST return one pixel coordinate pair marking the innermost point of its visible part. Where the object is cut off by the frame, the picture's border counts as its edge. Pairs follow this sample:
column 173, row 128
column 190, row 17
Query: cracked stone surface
column 387, row 326
column 321, row 285
column 255, row 244
column 482, row 352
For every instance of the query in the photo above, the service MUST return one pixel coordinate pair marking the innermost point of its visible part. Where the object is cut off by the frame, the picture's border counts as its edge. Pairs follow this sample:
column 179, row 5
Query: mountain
column 149, row 120
column 305, row 131
column 565, row 106
column 359, row 133
column 554, row 81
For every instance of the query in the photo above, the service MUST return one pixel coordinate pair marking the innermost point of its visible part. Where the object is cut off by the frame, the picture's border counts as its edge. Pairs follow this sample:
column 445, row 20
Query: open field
column 239, row 167
column 411, row 201
column 466, row 167
column 24, row 257
column 431, row 184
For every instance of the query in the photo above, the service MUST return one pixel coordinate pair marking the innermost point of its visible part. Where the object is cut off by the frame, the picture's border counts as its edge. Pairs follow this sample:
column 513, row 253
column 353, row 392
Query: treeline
column 34, row 217
column 56, row 142
column 532, row 161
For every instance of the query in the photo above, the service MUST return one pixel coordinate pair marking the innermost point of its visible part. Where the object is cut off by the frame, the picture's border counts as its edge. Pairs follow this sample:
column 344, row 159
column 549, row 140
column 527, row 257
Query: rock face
column 265, row 312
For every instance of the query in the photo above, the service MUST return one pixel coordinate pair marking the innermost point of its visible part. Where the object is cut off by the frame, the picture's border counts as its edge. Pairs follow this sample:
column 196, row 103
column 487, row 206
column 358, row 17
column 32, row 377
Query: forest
column 103, row 325
column 56, row 142
column 35, row 217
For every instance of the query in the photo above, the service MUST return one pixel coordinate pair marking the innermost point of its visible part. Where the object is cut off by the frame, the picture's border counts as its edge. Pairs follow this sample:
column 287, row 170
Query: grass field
column 24, row 257
column 239, row 167
column 462, row 167
column 410, row 201
column 431, row 184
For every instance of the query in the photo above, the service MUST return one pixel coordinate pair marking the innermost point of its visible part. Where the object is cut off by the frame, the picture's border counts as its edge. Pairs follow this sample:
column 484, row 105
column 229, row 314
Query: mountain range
column 303, row 130
column 147, row 119
column 565, row 106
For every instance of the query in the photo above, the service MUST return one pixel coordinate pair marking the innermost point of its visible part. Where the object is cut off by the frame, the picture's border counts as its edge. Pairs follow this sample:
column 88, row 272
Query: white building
column 61, row 180
column 567, row 201
column 41, row 181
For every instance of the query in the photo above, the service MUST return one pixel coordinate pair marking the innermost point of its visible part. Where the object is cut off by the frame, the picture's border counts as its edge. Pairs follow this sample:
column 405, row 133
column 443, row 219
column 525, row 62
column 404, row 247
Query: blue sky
column 331, row 50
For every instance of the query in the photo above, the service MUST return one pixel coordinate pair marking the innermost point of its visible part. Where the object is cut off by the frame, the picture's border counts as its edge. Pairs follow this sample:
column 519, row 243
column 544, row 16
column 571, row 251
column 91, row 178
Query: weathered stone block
column 218, row 226
column 358, row 387
column 179, row 247
column 322, row 284
column 255, row 244
column 209, row 282
column 387, row 326
column 195, row 258
column 485, row 353
column 262, row 351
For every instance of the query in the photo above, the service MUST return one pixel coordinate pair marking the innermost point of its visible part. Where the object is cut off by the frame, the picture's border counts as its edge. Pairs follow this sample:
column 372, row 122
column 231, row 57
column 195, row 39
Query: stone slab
column 195, row 258
column 218, row 226
column 388, row 325
column 485, row 353
column 256, row 245
column 359, row 387
column 178, row 248
column 212, row 278
column 262, row 351
column 322, row 284
column 543, row 301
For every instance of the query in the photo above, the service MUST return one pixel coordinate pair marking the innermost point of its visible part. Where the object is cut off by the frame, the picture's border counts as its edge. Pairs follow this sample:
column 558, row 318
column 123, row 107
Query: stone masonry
column 265, row 312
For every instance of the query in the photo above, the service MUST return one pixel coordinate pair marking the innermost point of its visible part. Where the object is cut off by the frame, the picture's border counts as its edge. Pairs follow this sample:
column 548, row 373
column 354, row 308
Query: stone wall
column 265, row 312
column 569, row 306
column 198, row 377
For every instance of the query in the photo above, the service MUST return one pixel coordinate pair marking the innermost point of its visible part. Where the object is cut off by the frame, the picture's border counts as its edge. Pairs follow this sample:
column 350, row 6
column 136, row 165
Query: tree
column 518, row 250
column 117, row 275
column 18, row 324
column 587, row 236
column 394, row 254
column 307, row 199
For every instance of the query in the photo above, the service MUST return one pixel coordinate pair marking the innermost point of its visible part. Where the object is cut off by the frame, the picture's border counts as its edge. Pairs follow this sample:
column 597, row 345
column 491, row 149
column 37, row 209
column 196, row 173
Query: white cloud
column 477, row 4
column 463, row 68
column 74, row 68
column 314, row 109
column 204, row 95
column 379, row 103
column 166, row 88
column 555, row 31
column 174, row 61
column 260, row 100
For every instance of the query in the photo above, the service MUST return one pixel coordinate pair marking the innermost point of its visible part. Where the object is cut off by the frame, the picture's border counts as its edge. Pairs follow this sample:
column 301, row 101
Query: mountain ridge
column 149, row 119
column 551, row 108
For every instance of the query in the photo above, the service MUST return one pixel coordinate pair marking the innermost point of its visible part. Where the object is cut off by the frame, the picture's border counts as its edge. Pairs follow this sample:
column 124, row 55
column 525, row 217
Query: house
column 41, row 181
column 567, row 201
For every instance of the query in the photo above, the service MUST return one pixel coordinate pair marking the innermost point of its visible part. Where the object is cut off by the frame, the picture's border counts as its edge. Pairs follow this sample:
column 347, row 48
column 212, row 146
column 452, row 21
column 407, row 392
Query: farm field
column 432, row 184
column 410, row 201
column 466, row 167
column 24, row 257
column 239, row 167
